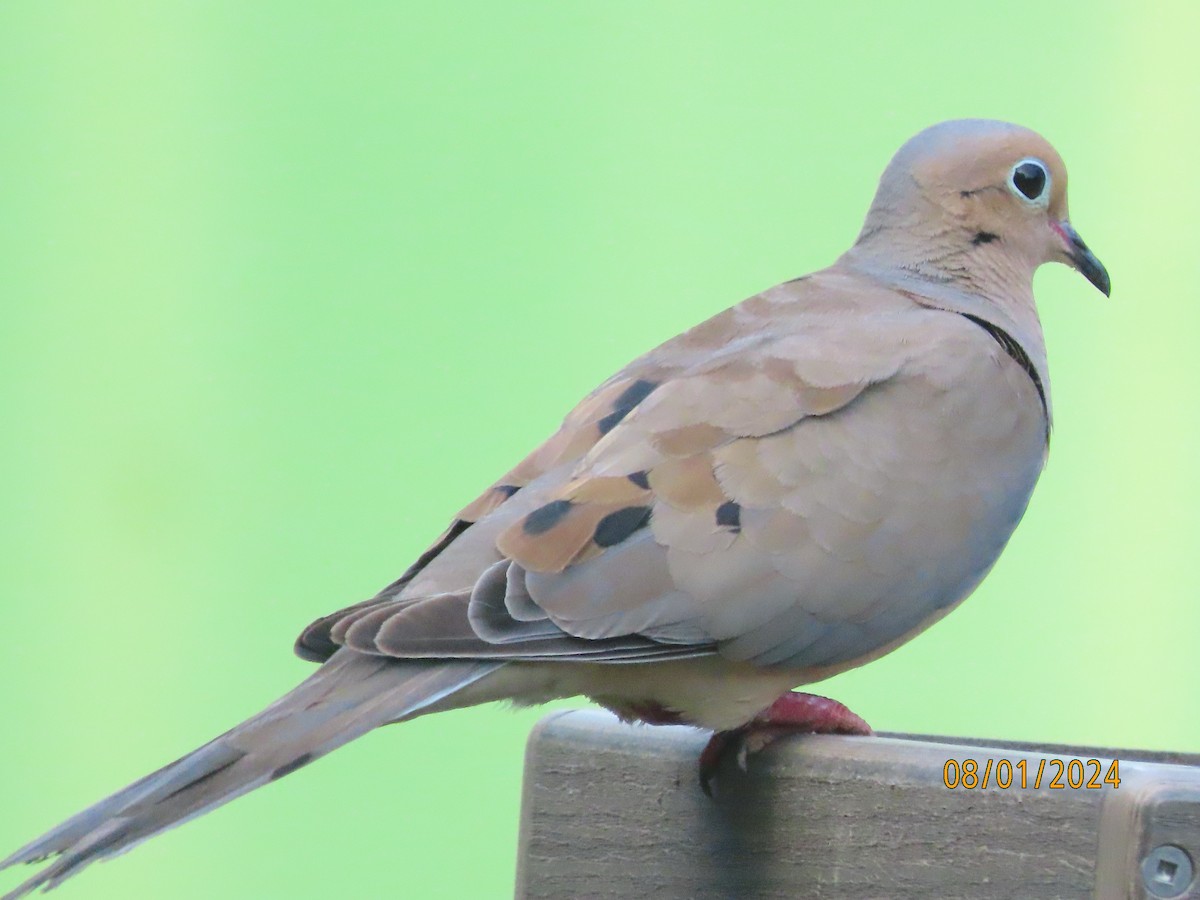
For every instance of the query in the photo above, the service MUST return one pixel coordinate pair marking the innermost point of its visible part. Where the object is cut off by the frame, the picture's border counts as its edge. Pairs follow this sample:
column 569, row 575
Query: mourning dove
column 783, row 492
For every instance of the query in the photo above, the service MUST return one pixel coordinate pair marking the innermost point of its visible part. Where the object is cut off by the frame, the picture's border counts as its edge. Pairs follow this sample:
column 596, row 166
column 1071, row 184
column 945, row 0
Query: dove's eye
column 1031, row 181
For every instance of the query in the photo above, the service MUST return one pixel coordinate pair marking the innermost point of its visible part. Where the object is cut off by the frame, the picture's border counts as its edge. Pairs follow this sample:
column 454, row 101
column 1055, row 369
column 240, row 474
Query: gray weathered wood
column 615, row 811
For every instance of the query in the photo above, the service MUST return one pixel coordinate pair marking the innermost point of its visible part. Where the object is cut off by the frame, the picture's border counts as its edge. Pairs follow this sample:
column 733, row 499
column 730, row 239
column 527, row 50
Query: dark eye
column 1030, row 179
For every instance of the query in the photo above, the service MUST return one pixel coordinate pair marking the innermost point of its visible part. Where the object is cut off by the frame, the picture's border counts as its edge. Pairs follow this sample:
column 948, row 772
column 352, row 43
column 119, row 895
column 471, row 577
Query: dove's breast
column 886, row 513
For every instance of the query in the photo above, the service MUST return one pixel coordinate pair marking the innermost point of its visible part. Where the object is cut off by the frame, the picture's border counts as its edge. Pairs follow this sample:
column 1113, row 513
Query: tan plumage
column 785, row 491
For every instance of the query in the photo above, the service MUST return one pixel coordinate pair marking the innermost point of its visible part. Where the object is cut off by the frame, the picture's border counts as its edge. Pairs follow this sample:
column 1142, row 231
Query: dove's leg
column 792, row 713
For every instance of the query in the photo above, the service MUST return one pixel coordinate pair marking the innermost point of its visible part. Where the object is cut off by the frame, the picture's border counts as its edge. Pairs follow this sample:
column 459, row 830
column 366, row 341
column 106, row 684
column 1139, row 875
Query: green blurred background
column 285, row 284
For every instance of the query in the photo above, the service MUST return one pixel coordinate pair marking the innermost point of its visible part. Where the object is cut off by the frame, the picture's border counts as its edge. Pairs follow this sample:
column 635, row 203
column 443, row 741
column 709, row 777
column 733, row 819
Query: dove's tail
column 343, row 700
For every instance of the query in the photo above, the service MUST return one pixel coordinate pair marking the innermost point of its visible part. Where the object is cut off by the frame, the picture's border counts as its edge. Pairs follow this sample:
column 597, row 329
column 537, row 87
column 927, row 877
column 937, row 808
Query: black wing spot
column 288, row 768
column 624, row 405
column 641, row 479
column 617, row 526
column 507, row 489
column 729, row 515
column 984, row 237
column 546, row 517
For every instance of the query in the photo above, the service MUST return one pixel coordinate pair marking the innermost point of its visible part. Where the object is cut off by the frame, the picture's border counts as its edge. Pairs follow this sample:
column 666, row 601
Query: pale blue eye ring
column 1030, row 180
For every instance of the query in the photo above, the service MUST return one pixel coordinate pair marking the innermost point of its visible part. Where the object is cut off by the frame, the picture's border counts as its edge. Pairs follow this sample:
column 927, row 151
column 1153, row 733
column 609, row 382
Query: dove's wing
column 751, row 488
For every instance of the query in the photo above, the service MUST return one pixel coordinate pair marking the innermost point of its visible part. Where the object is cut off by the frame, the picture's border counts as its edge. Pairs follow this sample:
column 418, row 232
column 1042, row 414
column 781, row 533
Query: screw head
column 1167, row 871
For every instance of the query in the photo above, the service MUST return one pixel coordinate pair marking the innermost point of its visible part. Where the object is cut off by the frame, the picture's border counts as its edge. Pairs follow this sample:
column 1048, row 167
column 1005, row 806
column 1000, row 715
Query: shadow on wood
column 616, row 811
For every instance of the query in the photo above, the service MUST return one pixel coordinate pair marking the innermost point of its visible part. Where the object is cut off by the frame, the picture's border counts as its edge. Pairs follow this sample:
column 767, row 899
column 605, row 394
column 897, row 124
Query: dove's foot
column 793, row 713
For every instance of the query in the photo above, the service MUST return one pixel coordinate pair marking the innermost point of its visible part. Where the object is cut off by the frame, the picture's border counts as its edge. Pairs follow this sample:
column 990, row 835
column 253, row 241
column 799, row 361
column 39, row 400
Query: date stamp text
column 1055, row 774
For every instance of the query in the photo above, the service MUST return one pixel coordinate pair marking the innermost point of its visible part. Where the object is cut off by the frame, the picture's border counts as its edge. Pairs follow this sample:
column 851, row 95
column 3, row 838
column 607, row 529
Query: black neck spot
column 984, row 237
column 1019, row 356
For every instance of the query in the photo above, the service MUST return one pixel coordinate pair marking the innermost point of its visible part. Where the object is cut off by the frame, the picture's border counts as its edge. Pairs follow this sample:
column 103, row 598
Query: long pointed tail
column 344, row 699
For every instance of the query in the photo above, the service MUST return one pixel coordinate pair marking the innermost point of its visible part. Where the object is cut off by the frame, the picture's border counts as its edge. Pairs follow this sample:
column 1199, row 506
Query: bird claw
column 793, row 713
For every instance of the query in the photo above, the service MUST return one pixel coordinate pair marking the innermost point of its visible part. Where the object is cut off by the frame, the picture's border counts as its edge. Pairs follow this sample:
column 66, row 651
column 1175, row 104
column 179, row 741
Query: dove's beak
column 1082, row 258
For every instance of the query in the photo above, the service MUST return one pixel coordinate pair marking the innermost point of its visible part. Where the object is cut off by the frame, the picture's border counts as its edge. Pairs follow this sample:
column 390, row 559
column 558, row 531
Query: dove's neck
column 986, row 285
column 938, row 271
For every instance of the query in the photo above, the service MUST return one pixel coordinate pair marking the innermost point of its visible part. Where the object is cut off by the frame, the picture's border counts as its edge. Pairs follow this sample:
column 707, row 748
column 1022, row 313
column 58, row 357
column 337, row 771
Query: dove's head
column 977, row 202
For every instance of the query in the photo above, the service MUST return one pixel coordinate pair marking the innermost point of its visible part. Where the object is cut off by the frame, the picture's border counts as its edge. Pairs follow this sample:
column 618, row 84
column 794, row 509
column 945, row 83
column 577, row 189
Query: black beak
column 1084, row 259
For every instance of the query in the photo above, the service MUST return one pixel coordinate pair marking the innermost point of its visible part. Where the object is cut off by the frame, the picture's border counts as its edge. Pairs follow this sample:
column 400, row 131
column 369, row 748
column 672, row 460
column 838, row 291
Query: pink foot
column 793, row 713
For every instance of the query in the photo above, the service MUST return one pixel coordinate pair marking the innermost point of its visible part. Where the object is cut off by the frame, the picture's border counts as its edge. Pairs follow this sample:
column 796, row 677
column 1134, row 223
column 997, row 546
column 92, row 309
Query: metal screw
column 1167, row 871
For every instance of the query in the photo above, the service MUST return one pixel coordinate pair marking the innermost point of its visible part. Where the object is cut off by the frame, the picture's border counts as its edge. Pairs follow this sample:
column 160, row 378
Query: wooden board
column 615, row 811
